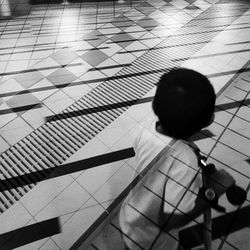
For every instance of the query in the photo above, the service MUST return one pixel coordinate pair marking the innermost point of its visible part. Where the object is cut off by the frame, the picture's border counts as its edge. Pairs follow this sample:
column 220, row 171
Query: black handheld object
column 235, row 194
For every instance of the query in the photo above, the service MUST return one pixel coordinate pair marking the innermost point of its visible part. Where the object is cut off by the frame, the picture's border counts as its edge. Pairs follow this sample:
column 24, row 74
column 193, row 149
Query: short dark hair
column 184, row 102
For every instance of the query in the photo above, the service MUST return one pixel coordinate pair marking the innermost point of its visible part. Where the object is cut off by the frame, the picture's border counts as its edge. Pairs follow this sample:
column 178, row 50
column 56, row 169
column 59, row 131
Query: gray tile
column 22, row 100
column 148, row 23
column 28, row 79
column 95, row 38
column 61, row 76
column 94, row 57
column 123, row 39
column 122, row 22
column 146, row 8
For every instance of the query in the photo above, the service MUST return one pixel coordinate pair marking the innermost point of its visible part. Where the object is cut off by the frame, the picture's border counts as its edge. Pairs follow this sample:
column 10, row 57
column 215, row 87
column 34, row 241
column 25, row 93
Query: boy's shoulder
column 185, row 151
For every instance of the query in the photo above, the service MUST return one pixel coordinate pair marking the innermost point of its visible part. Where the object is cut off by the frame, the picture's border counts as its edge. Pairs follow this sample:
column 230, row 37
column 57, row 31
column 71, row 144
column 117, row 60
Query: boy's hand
column 220, row 181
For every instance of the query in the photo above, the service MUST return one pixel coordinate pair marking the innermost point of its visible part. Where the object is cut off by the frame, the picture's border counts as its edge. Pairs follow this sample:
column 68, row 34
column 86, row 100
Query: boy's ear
column 159, row 128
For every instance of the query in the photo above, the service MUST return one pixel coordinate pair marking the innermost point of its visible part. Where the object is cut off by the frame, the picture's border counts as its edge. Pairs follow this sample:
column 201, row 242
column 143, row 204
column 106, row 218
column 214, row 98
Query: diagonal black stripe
column 97, row 109
column 20, row 109
column 28, row 234
column 65, row 169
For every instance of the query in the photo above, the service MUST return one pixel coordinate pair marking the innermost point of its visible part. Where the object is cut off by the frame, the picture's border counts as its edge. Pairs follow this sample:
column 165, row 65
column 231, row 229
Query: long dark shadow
column 65, row 169
column 28, row 234
column 20, row 109
column 97, row 109
column 67, row 115
column 221, row 226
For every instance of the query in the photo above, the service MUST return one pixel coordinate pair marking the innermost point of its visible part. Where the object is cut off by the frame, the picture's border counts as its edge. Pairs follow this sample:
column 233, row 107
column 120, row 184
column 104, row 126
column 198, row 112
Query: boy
column 167, row 198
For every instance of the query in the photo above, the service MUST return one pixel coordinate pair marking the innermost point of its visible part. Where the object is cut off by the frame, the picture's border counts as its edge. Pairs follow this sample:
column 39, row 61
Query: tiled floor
column 71, row 76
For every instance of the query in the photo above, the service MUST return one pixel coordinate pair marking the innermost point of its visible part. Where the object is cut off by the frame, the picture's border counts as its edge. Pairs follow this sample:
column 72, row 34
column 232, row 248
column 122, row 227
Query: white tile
column 150, row 42
column 45, row 63
column 6, row 118
column 77, row 225
column 76, row 91
column 220, row 81
column 126, row 58
column 135, row 31
column 96, row 75
column 2, row 67
column 40, row 91
column 8, row 86
column 3, row 145
column 37, row 119
column 15, row 130
column 109, row 67
column 68, row 201
column 115, row 185
column 44, row 192
column 117, row 130
column 109, row 29
column 17, row 66
column 58, row 101
column 49, row 245
column 78, row 70
column 87, row 150
column 136, row 46
column 181, row 4
column 93, row 179
column 140, row 111
column 13, row 218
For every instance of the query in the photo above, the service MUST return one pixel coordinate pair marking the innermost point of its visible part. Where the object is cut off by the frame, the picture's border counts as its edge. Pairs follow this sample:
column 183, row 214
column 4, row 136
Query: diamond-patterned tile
column 8, row 86
column 181, row 4
column 36, row 119
column 76, row 91
column 61, row 76
column 146, row 8
column 23, row 100
column 64, row 56
column 134, row 15
column 78, row 67
column 123, row 39
column 15, row 130
column 110, row 67
column 47, row 66
column 169, row 9
column 43, row 89
column 6, row 117
column 109, row 29
column 95, row 38
column 124, row 57
column 201, row 4
column 110, row 48
column 58, row 102
column 122, row 22
column 147, row 23
column 94, row 57
column 27, row 79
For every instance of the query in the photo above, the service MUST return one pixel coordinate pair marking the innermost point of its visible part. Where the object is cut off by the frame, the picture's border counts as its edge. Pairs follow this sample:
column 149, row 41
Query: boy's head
column 184, row 102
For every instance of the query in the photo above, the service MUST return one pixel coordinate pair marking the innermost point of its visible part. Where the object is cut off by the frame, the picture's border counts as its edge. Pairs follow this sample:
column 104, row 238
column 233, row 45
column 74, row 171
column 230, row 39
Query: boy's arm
column 219, row 181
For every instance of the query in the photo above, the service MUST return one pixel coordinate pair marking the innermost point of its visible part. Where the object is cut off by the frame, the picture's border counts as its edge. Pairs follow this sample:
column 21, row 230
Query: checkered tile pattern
column 70, row 58
column 113, row 42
